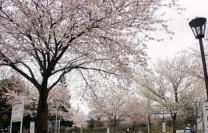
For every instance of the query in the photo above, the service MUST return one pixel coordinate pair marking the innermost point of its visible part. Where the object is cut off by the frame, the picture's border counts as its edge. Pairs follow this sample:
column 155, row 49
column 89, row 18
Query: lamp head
column 198, row 26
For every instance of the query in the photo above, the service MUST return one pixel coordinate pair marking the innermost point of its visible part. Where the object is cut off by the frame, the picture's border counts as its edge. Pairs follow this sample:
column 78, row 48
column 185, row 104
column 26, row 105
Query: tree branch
column 11, row 64
column 59, row 78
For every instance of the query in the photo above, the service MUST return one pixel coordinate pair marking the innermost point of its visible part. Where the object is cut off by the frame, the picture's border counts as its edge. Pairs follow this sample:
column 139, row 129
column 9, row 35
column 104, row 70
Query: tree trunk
column 149, row 124
column 134, row 125
column 196, row 116
column 174, row 125
column 42, row 112
column 114, row 126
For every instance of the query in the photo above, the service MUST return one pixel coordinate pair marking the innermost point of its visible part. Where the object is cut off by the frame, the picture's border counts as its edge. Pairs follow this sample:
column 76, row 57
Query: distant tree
column 59, row 99
column 6, row 86
column 78, row 118
column 195, row 69
column 111, row 104
column 170, row 87
column 5, row 108
column 91, row 123
column 96, row 118
column 135, row 112
column 13, row 89
column 94, row 114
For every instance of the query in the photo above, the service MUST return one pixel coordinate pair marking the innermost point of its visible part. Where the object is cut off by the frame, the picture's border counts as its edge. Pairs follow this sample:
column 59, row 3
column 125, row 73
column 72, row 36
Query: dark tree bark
column 42, row 112
column 114, row 125
column 174, row 124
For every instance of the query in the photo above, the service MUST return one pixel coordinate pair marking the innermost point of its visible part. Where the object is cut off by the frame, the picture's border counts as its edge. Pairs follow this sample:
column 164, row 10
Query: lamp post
column 57, row 122
column 198, row 26
column 56, row 131
column 163, row 123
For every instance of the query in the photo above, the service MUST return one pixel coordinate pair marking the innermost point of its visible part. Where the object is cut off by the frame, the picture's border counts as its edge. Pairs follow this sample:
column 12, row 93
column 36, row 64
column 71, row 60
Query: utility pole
column 56, row 123
column 163, row 123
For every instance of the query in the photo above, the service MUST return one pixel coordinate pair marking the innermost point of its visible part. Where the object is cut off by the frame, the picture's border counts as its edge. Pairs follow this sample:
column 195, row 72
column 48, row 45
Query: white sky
column 183, row 37
column 181, row 40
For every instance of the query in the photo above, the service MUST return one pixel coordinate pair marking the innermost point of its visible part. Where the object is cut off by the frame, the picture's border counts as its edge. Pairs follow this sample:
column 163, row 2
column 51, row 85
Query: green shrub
column 95, row 129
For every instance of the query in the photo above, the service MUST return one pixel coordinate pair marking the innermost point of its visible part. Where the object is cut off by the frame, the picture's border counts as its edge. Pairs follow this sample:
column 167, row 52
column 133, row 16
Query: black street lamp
column 198, row 26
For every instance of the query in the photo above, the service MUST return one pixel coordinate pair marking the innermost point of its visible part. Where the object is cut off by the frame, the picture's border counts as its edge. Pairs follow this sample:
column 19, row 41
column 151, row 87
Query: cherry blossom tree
column 59, row 98
column 135, row 112
column 44, row 39
column 132, row 112
column 79, row 118
column 15, row 89
column 170, row 87
column 111, row 103
column 95, row 119
column 94, row 114
column 195, row 69
column 117, row 105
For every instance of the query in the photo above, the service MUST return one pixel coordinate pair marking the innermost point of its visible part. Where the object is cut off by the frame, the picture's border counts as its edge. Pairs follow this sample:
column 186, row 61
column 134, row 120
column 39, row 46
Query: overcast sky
column 183, row 37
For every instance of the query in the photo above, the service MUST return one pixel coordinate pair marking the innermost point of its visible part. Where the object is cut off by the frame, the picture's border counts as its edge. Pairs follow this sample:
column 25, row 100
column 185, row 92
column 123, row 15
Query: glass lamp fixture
column 198, row 26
